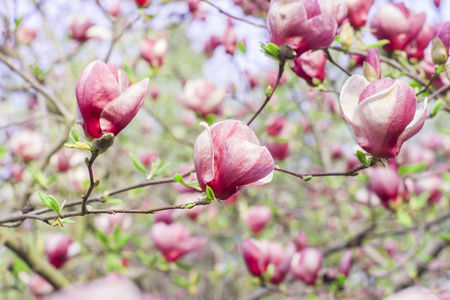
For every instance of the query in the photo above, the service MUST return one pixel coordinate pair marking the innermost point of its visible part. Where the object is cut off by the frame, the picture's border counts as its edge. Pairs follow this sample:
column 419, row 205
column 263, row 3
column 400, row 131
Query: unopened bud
column 104, row 142
column 285, row 52
column 438, row 52
column 369, row 72
column 346, row 36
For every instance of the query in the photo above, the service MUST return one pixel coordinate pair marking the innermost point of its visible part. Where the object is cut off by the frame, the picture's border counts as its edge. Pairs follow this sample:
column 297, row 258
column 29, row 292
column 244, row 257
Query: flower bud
column 228, row 157
column 306, row 264
column 346, row 36
column 257, row 218
column 346, row 262
column 311, row 67
column 106, row 102
column 371, row 65
column 382, row 113
column 154, row 51
column 439, row 53
column 301, row 240
column 301, row 24
column 57, row 249
column 388, row 187
column 25, row 34
column 27, row 145
column 358, row 11
column 174, row 240
column 143, row 3
column 229, row 38
column 202, row 96
column 79, row 27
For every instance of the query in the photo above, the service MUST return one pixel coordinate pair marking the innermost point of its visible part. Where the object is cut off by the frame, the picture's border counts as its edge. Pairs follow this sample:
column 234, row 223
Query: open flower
column 382, row 113
column 59, row 248
column 306, row 264
column 106, row 102
column 202, row 96
column 300, row 24
column 174, row 240
column 154, row 51
column 311, row 67
column 228, row 157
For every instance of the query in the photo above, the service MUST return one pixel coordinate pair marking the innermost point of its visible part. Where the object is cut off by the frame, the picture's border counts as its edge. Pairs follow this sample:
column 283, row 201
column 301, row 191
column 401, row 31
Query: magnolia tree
column 285, row 149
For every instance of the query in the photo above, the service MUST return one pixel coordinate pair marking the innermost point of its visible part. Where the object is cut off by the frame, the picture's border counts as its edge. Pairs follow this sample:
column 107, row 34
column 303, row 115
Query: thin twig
column 352, row 172
column 268, row 97
column 428, row 85
column 92, row 183
column 439, row 91
column 233, row 17
column 331, row 60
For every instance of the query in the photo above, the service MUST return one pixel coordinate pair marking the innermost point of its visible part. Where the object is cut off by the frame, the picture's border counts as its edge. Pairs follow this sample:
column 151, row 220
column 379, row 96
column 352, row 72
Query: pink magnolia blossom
column 306, row 264
column 25, row 34
column 229, row 38
column 111, row 287
column 382, row 113
column 397, row 24
column 57, row 249
column 338, row 8
column 253, row 7
column 277, row 125
column 311, row 67
column 39, row 287
column 154, row 92
column 165, row 216
column 387, row 186
column 427, row 66
column 197, row 9
column 437, row 2
column 27, row 145
column 358, row 11
column 444, row 35
column 414, row 293
column 300, row 24
column 371, row 65
column 257, row 218
column 228, row 157
column 301, row 240
column 211, row 44
column 431, row 185
column 154, row 51
column 114, row 9
column 143, row 3
column 174, row 240
column 279, row 151
column 416, row 46
column 79, row 27
column 346, row 262
column 107, row 223
column 259, row 254
column 202, row 96
column 106, row 102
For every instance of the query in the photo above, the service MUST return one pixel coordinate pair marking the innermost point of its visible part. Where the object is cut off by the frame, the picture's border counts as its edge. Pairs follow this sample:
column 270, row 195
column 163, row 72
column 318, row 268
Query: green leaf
column 74, row 136
column 180, row 280
column 210, row 194
column 20, row 266
column 446, row 176
column 3, row 150
column 139, row 166
column 113, row 262
column 445, row 237
column 178, row 178
column 404, row 218
column 340, row 280
column 412, row 169
column 270, row 50
column 162, row 169
column 436, row 107
column 50, row 202
column 67, row 221
column 122, row 242
column 380, row 43
column 183, row 266
column 361, row 157
column 241, row 47
column 38, row 176
column 444, row 131
column 420, row 201
column 102, row 237
column 114, row 201
column 18, row 21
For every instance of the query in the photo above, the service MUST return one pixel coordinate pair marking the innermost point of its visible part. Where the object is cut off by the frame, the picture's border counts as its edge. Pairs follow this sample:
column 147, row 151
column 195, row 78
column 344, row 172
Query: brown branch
column 331, row 60
column 233, row 17
column 438, row 91
column 61, row 108
column 268, row 97
column 428, row 85
column 33, row 260
column 352, row 172
column 355, row 241
column 92, row 183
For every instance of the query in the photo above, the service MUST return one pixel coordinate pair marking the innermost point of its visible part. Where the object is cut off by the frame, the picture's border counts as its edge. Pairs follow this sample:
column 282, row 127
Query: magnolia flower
column 257, row 218
column 57, row 248
column 27, row 145
column 416, row 46
column 174, row 240
column 79, row 27
column 202, row 96
column 382, row 113
column 371, row 65
column 414, row 293
column 279, row 151
column 338, row 8
column 346, row 262
column 143, row 3
column 397, row 24
column 306, row 264
column 106, row 102
column 444, row 35
column 300, row 24
column 229, row 38
column 358, row 11
column 228, row 157
column 388, row 186
column 154, row 51
column 311, row 67
column 258, row 255
column 26, row 34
